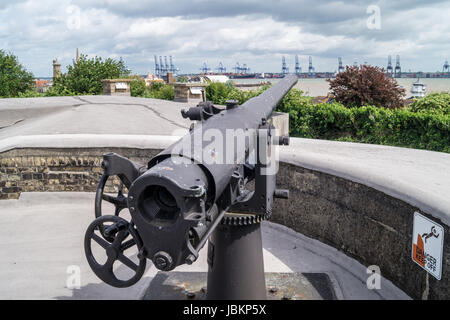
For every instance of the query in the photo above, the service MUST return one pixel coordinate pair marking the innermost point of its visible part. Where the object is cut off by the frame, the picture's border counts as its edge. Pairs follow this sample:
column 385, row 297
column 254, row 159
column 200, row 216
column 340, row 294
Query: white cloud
column 254, row 32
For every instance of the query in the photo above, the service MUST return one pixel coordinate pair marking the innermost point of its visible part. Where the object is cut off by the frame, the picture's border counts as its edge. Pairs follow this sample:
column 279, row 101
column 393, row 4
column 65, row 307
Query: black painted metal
column 248, row 116
column 118, row 230
column 179, row 200
column 236, row 266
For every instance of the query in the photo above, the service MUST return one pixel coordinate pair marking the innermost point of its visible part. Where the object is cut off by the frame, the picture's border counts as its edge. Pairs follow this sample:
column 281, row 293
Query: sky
column 254, row 32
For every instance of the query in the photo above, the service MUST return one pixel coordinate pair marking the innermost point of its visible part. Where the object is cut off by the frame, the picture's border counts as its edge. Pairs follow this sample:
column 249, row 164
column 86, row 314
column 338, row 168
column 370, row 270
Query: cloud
column 254, row 32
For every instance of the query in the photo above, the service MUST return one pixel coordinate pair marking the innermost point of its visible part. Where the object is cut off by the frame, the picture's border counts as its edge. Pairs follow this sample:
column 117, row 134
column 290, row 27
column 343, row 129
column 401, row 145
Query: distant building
column 217, row 78
column 42, row 85
column 152, row 79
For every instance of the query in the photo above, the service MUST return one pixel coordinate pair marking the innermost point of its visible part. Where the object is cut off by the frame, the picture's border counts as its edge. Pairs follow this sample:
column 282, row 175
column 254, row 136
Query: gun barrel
column 180, row 186
column 263, row 105
column 240, row 120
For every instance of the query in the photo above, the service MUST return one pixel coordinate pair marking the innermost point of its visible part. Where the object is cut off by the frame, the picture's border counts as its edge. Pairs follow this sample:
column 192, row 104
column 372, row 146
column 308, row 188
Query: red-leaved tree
column 366, row 85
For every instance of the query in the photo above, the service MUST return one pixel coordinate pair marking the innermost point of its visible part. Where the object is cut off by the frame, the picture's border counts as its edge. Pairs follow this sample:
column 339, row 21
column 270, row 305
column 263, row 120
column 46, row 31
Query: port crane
column 237, row 68
column 298, row 69
column 162, row 67
column 172, row 67
column 244, row 68
column 157, row 69
column 166, row 65
column 446, row 67
column 204, row 69
column 221, row 68
column 311, row 69
column 389, row 68
column 340, row 67
column 398, row 69
column 284, row 68
column 241, row 69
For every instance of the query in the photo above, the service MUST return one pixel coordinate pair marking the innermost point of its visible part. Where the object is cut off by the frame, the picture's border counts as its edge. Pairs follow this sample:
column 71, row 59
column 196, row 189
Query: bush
column 366, row 85
column 165, row 92
column 219, row 93
column 55, row 91
column 158, row 90
column 137, row 87
column 14, row 79
column 434, row 103
column 85, row 76
column 368, row 124
column 33, row 93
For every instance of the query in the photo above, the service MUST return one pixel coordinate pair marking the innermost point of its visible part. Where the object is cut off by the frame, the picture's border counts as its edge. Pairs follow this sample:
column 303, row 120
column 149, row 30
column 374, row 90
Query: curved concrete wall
column 355, row 216
column 369, row 225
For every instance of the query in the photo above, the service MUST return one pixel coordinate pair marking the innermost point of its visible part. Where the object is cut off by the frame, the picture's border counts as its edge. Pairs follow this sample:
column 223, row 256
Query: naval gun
column 217, row 183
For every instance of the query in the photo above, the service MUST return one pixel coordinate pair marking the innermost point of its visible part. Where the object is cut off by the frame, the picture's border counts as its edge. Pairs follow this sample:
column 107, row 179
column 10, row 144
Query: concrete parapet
column 280, row 121
column 189, row 92
column 116, row 87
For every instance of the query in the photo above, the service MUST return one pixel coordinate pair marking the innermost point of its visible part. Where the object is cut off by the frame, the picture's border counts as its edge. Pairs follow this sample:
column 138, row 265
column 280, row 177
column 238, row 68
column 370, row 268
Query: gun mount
column 185, row 196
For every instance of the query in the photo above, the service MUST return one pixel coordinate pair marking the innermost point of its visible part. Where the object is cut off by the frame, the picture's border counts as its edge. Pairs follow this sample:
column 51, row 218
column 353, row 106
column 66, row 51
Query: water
column 320, row 87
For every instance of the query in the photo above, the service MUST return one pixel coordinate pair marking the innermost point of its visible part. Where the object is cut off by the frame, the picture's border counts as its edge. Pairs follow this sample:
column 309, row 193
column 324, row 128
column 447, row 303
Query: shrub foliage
column 157, row 90
column 219, row 93
column 366, row 85
column 435, row 103
column 367, row 124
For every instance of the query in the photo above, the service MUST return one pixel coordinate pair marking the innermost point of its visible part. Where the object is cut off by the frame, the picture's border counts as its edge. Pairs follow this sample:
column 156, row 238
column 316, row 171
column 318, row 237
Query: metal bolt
column 283, row 140
column 161, row 263
column 190, row 295
column 231, row 104
column 162, row 260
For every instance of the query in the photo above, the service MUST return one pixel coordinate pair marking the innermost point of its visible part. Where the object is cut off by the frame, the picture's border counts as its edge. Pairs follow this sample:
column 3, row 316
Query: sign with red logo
column 428, row 245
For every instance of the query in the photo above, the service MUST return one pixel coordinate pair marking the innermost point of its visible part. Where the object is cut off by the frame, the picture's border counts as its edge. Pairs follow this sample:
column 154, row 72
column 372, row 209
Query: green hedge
column 398, row 127
column 219, row 93
column 156, row 91
column 424, row 125
column 434, row 102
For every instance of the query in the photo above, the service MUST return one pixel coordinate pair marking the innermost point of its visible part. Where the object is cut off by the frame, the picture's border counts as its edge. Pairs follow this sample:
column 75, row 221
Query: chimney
column 77, row 57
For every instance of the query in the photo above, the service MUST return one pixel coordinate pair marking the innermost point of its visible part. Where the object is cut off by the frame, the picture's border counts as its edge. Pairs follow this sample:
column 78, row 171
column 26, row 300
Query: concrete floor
column 90, row 115
column 42, row 235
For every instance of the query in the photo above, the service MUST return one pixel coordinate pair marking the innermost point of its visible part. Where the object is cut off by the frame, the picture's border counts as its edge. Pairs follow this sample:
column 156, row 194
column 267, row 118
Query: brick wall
column 42, row 170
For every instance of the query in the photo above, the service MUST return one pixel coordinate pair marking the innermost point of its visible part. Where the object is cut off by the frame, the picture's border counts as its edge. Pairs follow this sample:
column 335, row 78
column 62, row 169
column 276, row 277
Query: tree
column 85, row 76
column 14, row 79
column 366, row 85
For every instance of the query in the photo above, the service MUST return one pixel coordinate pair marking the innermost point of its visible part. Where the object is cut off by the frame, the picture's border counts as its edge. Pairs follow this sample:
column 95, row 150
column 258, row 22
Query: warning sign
column 428, row 244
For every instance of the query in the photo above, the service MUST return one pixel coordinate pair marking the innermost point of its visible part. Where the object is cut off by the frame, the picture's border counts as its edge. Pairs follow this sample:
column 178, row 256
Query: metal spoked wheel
column 118, row 230
column 119, row 201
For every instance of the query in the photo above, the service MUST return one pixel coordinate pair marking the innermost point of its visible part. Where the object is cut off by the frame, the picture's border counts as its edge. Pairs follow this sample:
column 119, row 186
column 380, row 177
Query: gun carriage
column 179, row 201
